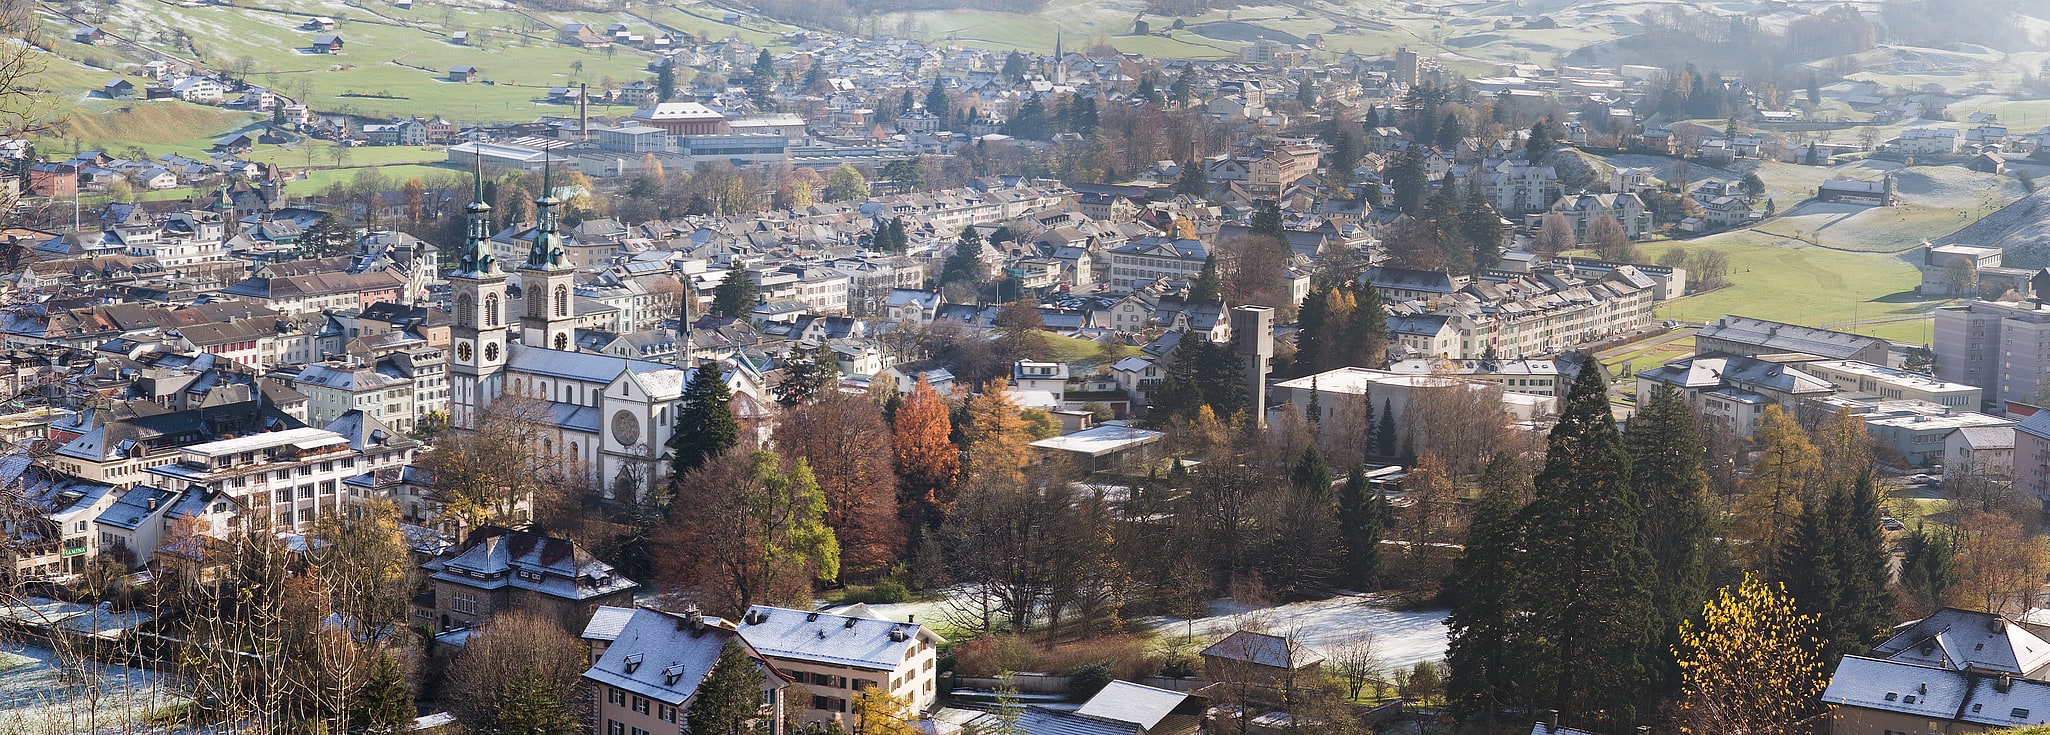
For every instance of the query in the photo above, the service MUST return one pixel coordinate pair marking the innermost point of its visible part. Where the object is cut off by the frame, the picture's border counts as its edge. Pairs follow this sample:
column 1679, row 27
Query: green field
column 1812, row 286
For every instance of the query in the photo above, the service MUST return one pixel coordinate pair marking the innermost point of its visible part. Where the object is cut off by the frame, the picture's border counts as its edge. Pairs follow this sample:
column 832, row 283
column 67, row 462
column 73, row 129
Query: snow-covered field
column 1401, row 638
column 36, row 698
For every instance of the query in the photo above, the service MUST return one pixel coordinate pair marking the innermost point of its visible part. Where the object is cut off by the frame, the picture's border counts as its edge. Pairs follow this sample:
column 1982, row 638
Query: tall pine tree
column 1362, row 515
column 1665, row 454
column 1485, row 656
column 729, row 698
column 1836, row 568
column 735, row 296
column 705, row 427
column 1310, row 324
column 1384, row 434
column 1589, row 578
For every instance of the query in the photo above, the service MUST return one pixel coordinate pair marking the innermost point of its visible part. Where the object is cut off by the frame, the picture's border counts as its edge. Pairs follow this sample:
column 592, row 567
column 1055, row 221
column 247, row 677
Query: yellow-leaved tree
column 1750, row 665
column 1781, row 481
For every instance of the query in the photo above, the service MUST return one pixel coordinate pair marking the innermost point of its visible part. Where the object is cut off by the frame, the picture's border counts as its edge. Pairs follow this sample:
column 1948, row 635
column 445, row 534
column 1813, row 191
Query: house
column 1955, row 671
column 1868, row 193
column 459, row 37
column 119, row 89
column 1733, row 391
column 1980, row 451
column 1584, row 208
column 648, row 664
column 87, row 35
column 499, row 569
column 1988, row 163
column 463, row 74
column 833, row 655
column 1270, row 662
column 327, row 43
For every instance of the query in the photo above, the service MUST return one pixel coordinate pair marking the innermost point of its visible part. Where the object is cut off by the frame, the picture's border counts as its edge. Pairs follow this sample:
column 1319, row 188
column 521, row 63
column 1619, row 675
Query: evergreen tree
column 1484, row 660
column 1267, row 220
column 1014, row 67
column 811, row 374
column 1481, row 225
column 1927, row 571
column 1384, row 435
column 1309, row 333
column 705, row 427
column 1362, row 515
column 1449, row 132
column 735, row 297
column 1540, row 141
column 1306, row 93
column 1311, row 473
column 665, row 82
column 385, row 706
column 1589, row 576
column 1665, row 454
column 1206, row 289
column 761, row 81
column 1365, row 339
column 965, row 264
column 1193, row 181
column 1837, row 570
column 327, row 237
column 936, row 100
column 1406, row 175
column 529, row 706
column 1184, row 88
column 729, row 698
column 1368, row 429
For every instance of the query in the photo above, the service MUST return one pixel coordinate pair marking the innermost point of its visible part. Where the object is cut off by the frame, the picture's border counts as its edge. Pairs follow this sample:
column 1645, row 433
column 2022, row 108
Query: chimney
column 1551, row 720
column 1643, row 730
column 584, row 111
column 911, row 618
column 2004, row 683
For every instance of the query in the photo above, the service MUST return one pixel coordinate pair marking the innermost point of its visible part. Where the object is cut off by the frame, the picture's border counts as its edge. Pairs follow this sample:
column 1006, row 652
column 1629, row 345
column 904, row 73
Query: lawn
column 1812, row 286
column 319, row 180
column 1075, row 349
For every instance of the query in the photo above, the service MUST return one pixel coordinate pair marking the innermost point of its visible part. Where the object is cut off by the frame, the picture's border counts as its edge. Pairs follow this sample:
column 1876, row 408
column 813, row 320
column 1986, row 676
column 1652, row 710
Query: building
column 1270, row 662
column 1741, row 335
column 1955, row 671
column 1584, row 208
column 831, row 656
column 1980, row 451
column 1142, row 262
column 2002, row 347
column 2031, row 457
column 1734, row 390
column 287, row 477
column 647, row 666
column 1111, row 446
column 682, row 118
column 1965, row 270
column 1868, row 193
column 1921, row 432
column 1893, row 384
column 499, row 569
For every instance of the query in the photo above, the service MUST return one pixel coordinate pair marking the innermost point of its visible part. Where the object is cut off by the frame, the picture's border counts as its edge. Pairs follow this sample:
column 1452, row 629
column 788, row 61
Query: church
column 609, row 414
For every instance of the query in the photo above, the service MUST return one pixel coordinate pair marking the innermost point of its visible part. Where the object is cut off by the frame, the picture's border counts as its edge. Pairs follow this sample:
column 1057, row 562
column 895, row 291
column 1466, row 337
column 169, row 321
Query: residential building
column 833, row 655
column 500, row 569
column 1584, row 208
column 1981, row 451
column 2002, row 347
column 1955, row 671
column 647, row 666
column 290, row 476
column 1733, row 390
column 1142, row 262
column 2031, row 468
column 1892, row 384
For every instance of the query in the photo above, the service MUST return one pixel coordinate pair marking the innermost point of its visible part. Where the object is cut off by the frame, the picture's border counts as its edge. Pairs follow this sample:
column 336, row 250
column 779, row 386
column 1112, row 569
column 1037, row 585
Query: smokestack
column 584, row 111
column 1551, row 720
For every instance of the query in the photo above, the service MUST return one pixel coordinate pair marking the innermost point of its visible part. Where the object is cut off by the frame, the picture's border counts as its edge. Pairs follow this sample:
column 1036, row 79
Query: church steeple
column 547, row 279
column 479, row 333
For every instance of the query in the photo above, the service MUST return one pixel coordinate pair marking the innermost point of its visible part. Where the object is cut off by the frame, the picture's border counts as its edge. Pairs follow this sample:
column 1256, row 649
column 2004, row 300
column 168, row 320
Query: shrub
column 1085, row 681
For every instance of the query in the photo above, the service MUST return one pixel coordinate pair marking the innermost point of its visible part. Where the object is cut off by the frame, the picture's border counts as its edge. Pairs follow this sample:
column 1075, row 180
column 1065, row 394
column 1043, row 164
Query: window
column 466, row 603
column 665, row 713
column 641, row 704
column 305, row 492
column 2019, row 714
column 615, row 695
column 612, row 727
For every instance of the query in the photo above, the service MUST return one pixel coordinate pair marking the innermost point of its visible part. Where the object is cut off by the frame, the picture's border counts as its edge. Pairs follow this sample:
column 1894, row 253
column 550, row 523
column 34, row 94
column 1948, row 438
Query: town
column 1163, row 368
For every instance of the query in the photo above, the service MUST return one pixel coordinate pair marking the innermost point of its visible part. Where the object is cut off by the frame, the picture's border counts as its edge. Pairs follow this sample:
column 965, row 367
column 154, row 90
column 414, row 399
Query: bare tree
column 1356, row 659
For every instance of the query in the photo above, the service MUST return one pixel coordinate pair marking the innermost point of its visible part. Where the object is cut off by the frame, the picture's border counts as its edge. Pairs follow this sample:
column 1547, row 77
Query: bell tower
column 478, row 337
column 547, row 280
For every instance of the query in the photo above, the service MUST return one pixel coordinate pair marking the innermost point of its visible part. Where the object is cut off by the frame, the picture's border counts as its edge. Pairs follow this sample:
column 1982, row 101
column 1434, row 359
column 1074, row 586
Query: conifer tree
column 1385, row 434
column 1368, row 429
column 1206, row 289
column 735, row 296
column 1836, row 568
column 936, row 100
column 1366, row 329
column 1362, row 516
column 730, row 696
column 385, row 706
column 1267, row 220
column 1927, row 572
column 1309, row 334
column 705, row 427
column 1311, row 472
column 1665, row 455
column 1484, row 659
column 812, row 374
column 965, row 264
column 1589, row 578
column 528, row 704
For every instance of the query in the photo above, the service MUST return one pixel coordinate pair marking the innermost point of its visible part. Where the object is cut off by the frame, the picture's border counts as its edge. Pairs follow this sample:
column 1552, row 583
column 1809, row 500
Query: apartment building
column 336, row 388
column 831, row 656
column 290, row 476
column 1138, row 264
column 2002, row 347
column 647, row 666
column 499, row 569
column 2031, row 457
column 1887, row 383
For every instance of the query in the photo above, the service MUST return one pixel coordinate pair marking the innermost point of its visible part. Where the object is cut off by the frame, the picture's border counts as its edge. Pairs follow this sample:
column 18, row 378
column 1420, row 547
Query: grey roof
column 1951, row 638
column 1718, row 369
column 1263, row 650
column 661, row 655
column 1542, row 728
column 607, row 622
column 509, row 558
column 1782, row 337
column 1938, row 695
column 1139, row 704
column 576, row 365
column 1043, row 721
column 134, row 507
column 841, row 640
column 1988, row 437
column 2036, row 425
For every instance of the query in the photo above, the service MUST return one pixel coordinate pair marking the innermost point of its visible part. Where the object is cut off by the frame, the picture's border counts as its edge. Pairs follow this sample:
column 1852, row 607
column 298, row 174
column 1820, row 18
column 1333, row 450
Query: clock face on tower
column 463, row 353
column 491, row 352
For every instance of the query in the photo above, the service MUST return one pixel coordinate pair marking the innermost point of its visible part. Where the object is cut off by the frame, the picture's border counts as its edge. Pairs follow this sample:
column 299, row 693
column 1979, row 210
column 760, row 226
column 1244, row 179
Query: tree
column 1665, row 455
column 1362, row 515
column 1927, row 574
column 1960, row 275
column 845, row 440
column 1750, row 664
column 665, row 82
column 1481, row 225
column 845, row 183
column 385, row 706
column 810, row 374
column 927, row 460
column 1483, row 659
column 1193, row 180
column 1365, row 336
column 1384, row 434
column 761, row 81
column 1206, row 289
column 1589, row 575
column 1407, row 176
column 735, row 296
column 965, row 264
column 1357, row 660
column 755, row 533
column 878, row 712
column 1838, row 570
column 1014, row 67
column 327, row 237
column 997, row 437
column 1752, row 186
column 729, row 698
column 705, row 426
column 1540, row 140
column 1780, row 481
column 1999, row 563
column 1554, row 235
column 1609, row 239
column 936, row 100
column 518, row 674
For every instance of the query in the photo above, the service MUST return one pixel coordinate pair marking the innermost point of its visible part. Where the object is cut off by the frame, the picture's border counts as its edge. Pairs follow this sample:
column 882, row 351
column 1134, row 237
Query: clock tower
column 478, row 338
column 547, row 280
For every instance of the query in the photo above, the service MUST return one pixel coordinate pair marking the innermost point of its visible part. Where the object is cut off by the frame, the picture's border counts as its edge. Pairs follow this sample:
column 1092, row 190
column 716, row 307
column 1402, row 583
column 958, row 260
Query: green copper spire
column 547, row 251
column 476, row 257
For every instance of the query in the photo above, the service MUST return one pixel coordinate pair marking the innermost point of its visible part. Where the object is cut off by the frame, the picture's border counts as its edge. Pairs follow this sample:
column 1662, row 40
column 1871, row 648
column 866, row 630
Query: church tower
column 478, row 337
column 547, row 280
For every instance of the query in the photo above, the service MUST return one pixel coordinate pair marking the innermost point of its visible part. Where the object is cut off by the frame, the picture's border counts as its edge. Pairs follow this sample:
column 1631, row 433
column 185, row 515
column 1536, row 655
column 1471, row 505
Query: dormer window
column 672, row 675
column 633, row 662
